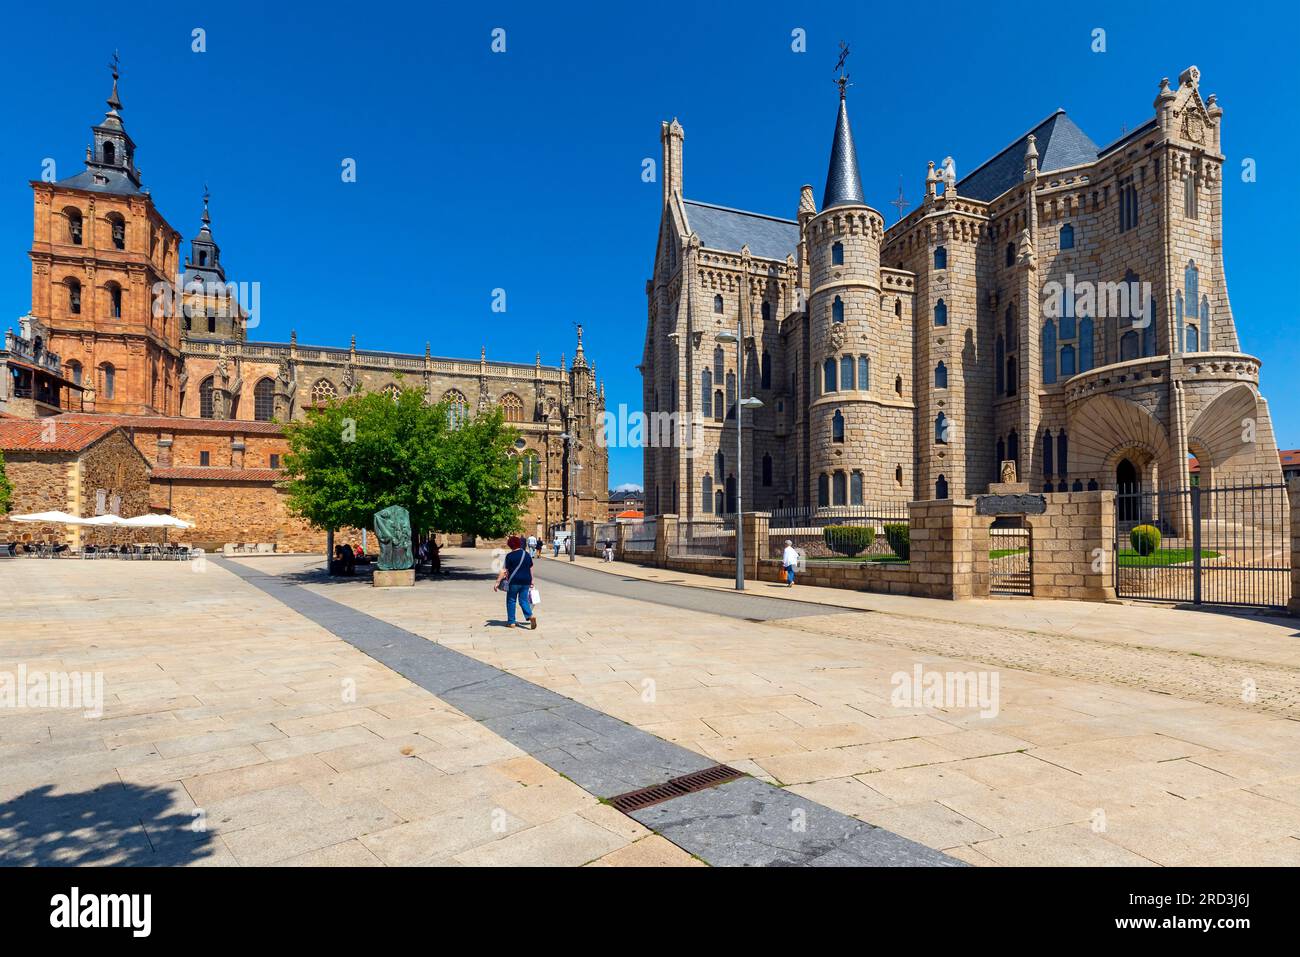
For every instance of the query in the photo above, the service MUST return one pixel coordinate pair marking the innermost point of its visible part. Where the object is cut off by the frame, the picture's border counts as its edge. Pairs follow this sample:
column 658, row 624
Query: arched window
column 512, row 407
column 766, row 375
column 767, row 469
column 1062, row 454
column 110, row 153
column 1067, row 236
column 1009, row 327
column 837, row 310
column 941, row 376
column 823, row 490
column 1067, row 318
column 717, row 303
column 828, row 376
column 323, row 391
column 837, row 426
column 1068, row 358
column 846, row 372
column 941, row 313
column 941, row 429
column 731, row 395
column 73, row 216
column 837, row 254
column 1047, row 455
column 731, row 494
column 719, row 463
column 839, row 486
column 706, row 493
column 264, row 399
column 1013, row 379
column 392, row 390
column 1128, row 346
column 855, row 488
column 114, row 300
column 719, row 407
column 74, row 371
column 898, row 307
column 1011, row 254
column 1085, row 343
column 1049, row 352
column 74, row 296
column 766, row 311
column 940, row 257
column 941, row 488
column 898, row 385
column 1193, row 339
column 898, row 475
column 719, row 364
column 1000, row 354
column 530, row 469
column 864, row 373
column 205, row 399
column 457, row 408
column 117, row 229
column 706, row 393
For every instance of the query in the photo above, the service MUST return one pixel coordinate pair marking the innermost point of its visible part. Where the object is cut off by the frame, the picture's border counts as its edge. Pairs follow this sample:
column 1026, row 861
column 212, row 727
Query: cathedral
column 125, row 328
column 1062, row 306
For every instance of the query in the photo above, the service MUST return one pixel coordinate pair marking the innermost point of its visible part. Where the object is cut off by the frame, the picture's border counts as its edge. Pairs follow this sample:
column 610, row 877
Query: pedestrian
column 517, row 575
column 532, row 545
column 557, row 546
column 609, row 551
column 790, row 562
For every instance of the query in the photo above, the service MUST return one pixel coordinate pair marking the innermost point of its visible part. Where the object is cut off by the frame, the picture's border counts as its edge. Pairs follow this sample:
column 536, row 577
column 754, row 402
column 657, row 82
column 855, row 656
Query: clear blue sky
column 522, row 170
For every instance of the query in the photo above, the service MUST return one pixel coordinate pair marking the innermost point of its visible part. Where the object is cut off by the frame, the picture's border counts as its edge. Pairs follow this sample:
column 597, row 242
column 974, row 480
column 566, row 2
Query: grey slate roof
column 843, row 184
column 729, row 229
column 118, row 182
column 1060, row 144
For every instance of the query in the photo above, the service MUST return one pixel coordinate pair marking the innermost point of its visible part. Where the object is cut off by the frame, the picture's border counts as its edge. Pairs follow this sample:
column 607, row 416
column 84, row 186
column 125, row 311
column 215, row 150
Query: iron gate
column 1216, row 546
column 1011, row 558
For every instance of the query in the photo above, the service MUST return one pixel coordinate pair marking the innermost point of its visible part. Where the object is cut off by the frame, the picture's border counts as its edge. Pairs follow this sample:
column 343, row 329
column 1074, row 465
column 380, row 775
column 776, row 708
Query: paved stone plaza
column 256, row 713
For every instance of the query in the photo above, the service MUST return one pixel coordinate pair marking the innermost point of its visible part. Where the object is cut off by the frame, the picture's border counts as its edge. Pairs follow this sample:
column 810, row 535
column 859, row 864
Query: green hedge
column 1145, row 539
column 899, row 537
column 849, row 540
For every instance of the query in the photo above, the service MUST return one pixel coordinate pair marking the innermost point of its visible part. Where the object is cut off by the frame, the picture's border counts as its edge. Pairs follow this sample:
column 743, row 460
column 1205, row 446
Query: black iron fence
column 843, row 534
column 1229, row 545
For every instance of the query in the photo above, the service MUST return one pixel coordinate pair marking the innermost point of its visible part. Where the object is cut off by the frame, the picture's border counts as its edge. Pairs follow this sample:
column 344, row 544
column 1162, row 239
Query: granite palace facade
column 201, row 401
column 1063, row 306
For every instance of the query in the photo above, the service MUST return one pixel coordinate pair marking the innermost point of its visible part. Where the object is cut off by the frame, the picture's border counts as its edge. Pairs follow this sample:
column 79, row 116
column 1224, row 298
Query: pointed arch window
column 731, row 395
column 839, row 489
column 206, row 406
column 767, row 470
column 322, row 391
column 1047, row 455
column 1068, row 361
column 855, row 488
column 898, row 307
column 941, row 488
column 940, row 257
column 1012, row 376
column 941, row 429
column 837, row 254
column 1062, row 454
column 706, row 493
column 457, row 408
column 706, row 393
column 1193, row 339
column 1011, row 254
column 941, row 313
column 1049, row 352
column 717, row 303
column 530, row 469
column 941, row 376
column 1085, row 344
column 264, row 399
column 766, row 374
column 823, row 490
column 512, row 407
column 846, row 372
column 719, row 407
column 1067, row 236
column 1000, row 355
column 828, row 376
column 898, row 385
column 837, row 310
column 864, row 373
column 766, row 311
column 837, row 426
column 719, row 364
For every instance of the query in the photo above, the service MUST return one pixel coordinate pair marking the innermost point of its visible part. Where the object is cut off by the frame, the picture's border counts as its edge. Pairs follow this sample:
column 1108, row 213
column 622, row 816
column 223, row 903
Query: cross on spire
column 900, row 204
column 115, row 67
column 843, row 79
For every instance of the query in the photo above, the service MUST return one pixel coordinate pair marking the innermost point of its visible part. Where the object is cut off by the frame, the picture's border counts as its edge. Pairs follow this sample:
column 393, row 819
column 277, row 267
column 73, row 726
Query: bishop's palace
column 1062, row 306
column 174, row 409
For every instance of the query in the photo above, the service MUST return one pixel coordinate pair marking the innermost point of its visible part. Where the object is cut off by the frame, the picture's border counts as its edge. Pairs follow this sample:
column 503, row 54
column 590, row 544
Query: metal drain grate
column 686, row 784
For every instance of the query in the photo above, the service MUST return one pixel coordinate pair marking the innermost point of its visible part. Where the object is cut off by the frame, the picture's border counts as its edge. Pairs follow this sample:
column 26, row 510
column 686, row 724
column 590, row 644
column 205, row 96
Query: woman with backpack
column 517, row 577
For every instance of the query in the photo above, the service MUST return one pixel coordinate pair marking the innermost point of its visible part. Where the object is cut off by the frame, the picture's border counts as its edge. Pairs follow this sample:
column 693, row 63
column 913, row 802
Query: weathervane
column 843, row 78
column 900, row 203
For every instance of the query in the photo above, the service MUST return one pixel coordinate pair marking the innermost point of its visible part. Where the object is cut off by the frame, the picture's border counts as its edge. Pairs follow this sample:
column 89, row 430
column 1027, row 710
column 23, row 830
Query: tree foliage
column 354, row 456
column 6, row 488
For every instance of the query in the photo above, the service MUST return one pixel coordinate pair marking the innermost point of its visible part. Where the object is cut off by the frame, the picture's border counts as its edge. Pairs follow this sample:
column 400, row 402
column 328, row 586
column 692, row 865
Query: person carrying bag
column 517, row 575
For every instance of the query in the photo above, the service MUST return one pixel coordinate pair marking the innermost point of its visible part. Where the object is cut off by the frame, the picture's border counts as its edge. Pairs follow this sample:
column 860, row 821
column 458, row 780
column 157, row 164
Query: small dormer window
column 110, row 153
column 203, row 259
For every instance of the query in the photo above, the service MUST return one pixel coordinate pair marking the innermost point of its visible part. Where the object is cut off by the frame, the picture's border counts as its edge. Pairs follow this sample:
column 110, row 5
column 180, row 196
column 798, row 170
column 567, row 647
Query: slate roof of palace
column 720, row 227
column 1060, row 144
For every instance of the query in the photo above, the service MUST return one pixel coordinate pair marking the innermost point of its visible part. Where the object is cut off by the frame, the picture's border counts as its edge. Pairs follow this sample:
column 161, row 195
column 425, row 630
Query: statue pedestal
column 395, row 579
column 1008, row 488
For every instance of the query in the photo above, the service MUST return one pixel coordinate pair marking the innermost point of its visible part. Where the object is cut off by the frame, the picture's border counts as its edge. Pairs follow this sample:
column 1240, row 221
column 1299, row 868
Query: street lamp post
column 572, row 547
column 741, row 405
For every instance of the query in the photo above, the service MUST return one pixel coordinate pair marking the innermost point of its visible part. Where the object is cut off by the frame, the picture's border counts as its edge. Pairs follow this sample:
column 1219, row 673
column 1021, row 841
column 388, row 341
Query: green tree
column 6, row 488
column 365, row 452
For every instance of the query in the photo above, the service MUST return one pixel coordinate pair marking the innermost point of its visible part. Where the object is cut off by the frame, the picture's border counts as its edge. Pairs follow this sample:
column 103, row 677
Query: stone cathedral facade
column 1062, row 306
column 203, row 402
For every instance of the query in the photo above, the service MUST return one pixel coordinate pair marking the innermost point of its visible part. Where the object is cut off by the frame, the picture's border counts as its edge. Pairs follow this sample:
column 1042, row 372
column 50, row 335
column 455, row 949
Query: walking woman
column 517, row 575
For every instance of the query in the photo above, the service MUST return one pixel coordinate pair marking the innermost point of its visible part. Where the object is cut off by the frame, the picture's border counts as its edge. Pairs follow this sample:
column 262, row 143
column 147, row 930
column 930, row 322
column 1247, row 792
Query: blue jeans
column 789, row 574
column 518, row 593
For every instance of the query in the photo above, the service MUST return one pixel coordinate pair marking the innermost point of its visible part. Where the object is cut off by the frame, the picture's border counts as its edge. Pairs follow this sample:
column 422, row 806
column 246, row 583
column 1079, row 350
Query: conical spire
column 843, row 185
column 207, row 219
column 114, row 104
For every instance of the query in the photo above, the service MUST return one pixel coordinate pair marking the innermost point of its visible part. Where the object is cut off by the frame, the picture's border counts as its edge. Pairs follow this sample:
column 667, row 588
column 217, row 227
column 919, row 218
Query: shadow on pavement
column 121, row 825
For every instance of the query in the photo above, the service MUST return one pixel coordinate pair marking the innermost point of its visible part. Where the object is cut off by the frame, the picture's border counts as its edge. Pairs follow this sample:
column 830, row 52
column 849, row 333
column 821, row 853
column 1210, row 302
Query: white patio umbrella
column 54, row 518
column 109, row 519
column 153, row 520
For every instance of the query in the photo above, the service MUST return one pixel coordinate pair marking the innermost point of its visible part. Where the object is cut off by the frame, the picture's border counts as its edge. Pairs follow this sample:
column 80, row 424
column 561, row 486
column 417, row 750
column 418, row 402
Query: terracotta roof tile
column 50, row 435
column 177, row 423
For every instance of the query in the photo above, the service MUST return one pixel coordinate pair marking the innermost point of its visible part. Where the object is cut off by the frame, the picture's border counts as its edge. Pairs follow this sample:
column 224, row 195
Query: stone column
column 619, row 531
column 665, row 535
column 755, row 529
column 1073, row 547
column 943, row 559
column 1293, row 492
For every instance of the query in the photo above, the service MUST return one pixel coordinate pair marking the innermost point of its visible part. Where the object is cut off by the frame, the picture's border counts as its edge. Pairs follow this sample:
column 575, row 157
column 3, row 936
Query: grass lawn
column 1160, row 559
column 1004, row 552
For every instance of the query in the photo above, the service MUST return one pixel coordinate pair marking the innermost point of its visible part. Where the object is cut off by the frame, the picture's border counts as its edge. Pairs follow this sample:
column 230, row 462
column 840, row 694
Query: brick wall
column 40, row 482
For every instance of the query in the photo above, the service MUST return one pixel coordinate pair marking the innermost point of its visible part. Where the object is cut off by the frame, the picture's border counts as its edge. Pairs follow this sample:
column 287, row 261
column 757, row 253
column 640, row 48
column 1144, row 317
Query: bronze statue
column 393, row 529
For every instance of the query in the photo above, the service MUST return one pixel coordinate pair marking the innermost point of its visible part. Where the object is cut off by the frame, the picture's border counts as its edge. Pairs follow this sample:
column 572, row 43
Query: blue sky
column 522, row 170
